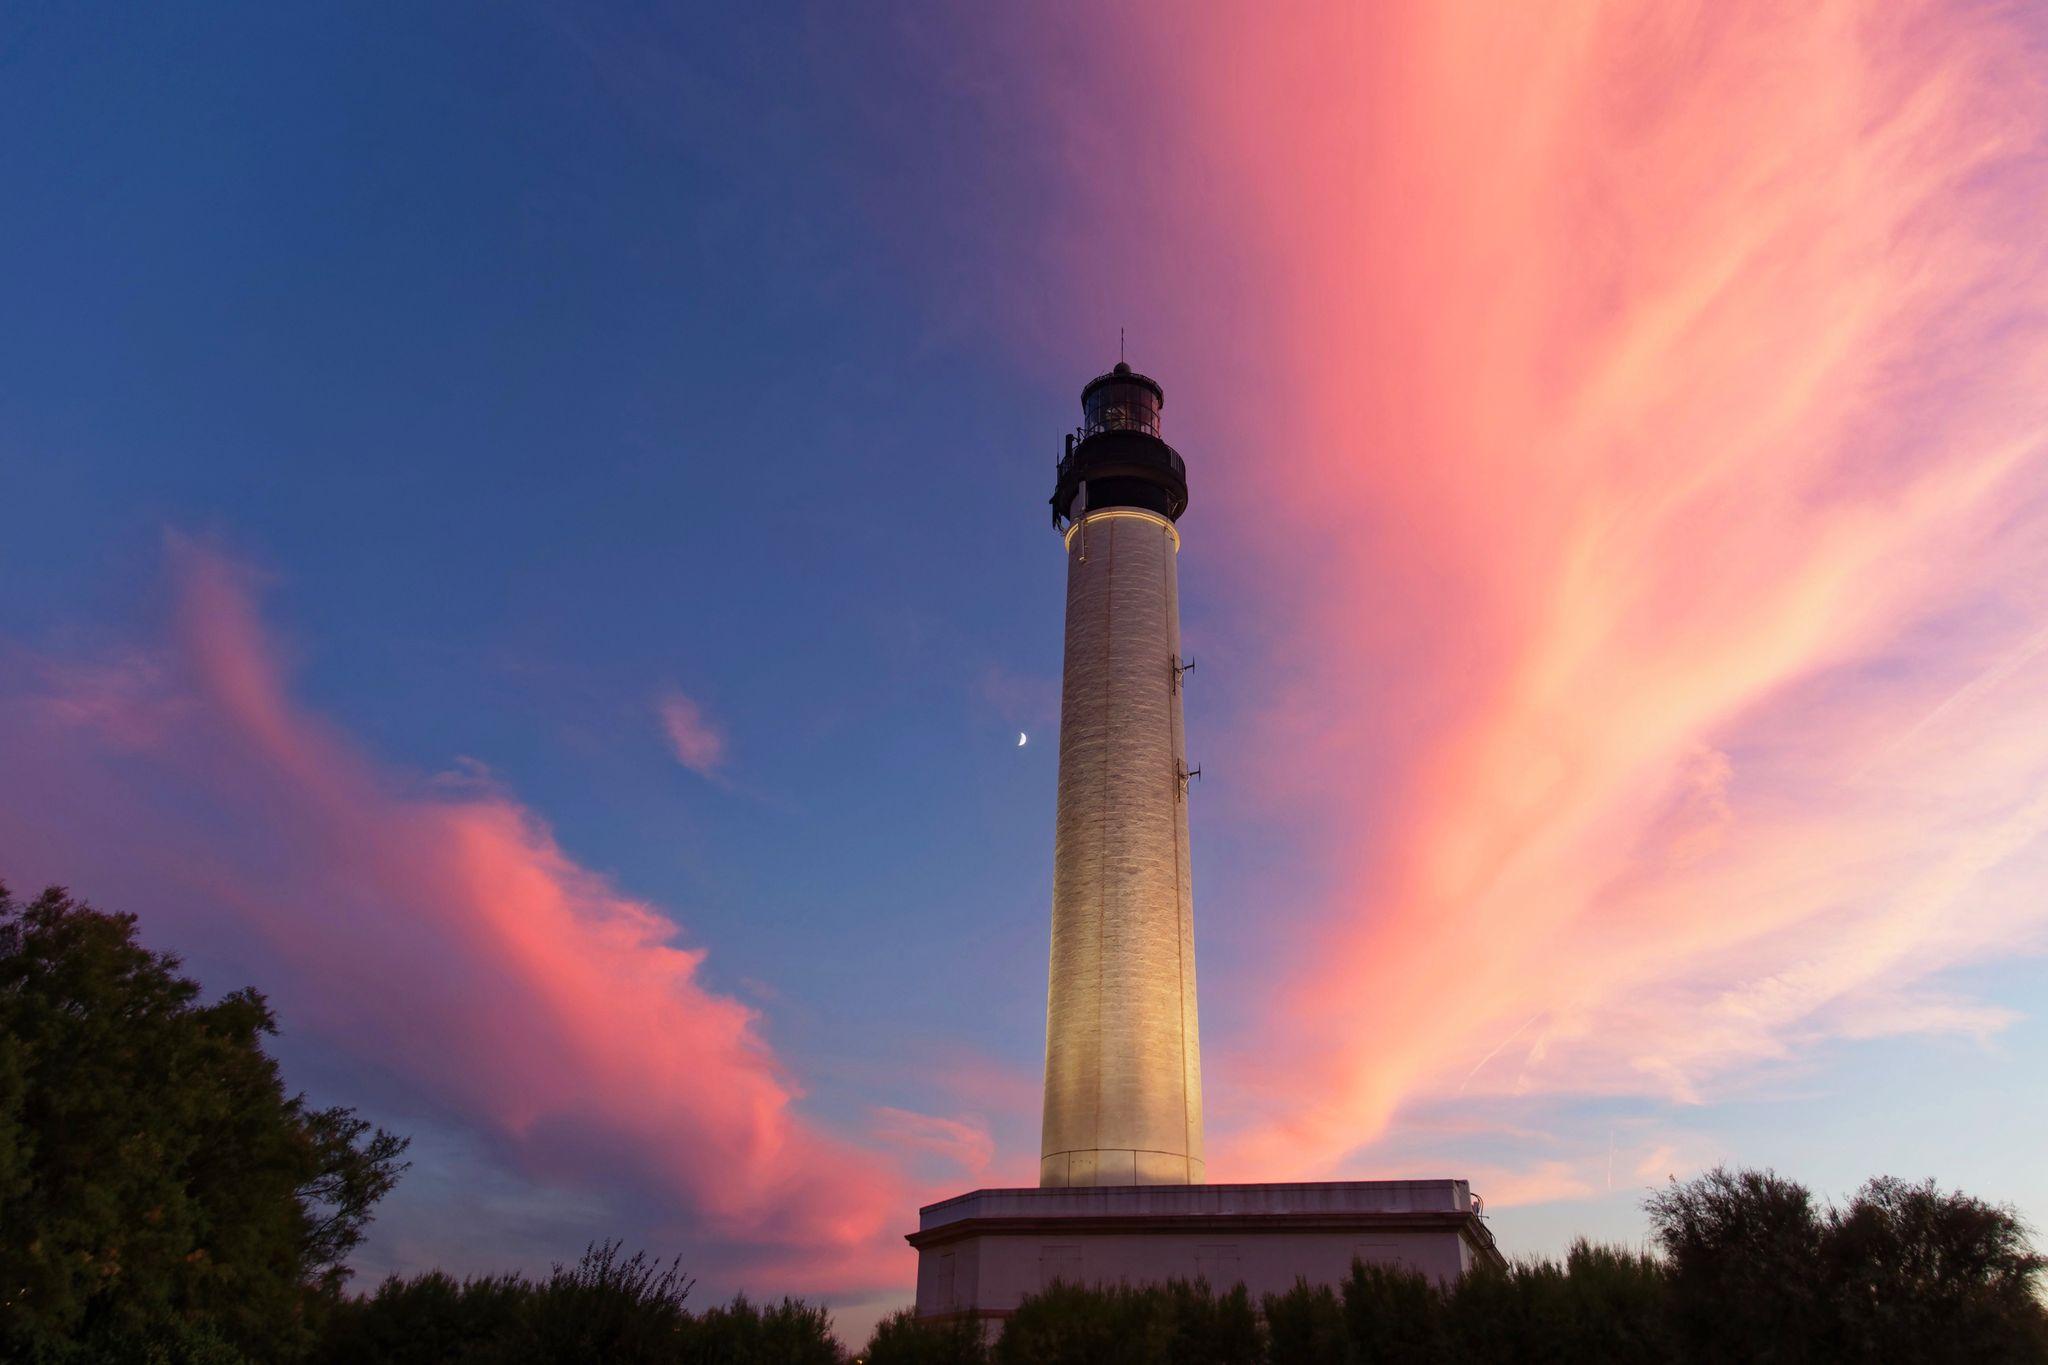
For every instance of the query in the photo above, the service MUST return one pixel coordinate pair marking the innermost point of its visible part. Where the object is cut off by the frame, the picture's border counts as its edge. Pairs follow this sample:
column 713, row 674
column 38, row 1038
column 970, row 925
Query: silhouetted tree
column 1904, row 1272
column 1744, row 1250
column 1917, row 1274
column 161, row 1197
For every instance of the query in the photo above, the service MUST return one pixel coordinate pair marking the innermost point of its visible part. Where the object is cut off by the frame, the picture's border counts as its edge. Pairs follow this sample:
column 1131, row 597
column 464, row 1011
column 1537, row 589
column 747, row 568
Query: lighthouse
column 1122, row 1194
column 1123, row 1060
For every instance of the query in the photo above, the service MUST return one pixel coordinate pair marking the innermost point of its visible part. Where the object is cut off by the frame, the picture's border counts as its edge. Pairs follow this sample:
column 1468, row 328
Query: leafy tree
column 1904, row 1272
column 906, row 1339
column 161, row 1197
column 1744, row 1250
column 1915, row 1273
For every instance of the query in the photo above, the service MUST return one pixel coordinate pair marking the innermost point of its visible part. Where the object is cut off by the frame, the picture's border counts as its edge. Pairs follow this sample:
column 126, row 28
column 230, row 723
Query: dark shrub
column 1306, row 1325
column 1601, row 1304
column 1394, row 1314
column 431, row 1319
column 1165, row 1324
column 1208, row 1328
column 1066, row 1324
column 605, row 1307
column 1618, row 1306
column 903, row 1339
column 742, row 1333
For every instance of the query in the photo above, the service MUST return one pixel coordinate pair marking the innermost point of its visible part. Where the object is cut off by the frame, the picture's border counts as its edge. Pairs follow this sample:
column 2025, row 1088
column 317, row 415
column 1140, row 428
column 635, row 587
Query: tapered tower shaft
column 1123, row 1089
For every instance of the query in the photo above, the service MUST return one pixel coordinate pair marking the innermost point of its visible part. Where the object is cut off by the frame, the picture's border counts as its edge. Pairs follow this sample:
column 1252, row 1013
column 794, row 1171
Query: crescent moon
column 1020, row 739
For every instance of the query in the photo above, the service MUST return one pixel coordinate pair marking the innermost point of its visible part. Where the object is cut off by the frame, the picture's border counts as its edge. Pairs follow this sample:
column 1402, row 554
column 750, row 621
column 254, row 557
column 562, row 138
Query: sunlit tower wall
column 1123, row 1061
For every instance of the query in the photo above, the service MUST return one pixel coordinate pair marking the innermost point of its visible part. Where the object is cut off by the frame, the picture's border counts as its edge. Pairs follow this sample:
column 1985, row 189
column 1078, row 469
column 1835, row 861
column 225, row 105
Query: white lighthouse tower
column 1122, row 1193
column 1123, row 1058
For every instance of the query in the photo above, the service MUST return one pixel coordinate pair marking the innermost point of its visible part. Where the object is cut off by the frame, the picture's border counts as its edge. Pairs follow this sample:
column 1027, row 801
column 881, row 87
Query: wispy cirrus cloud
column 1651, row 586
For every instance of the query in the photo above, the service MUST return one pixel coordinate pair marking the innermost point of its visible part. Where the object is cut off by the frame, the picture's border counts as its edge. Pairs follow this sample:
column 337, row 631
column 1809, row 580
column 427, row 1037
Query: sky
column 527, row 543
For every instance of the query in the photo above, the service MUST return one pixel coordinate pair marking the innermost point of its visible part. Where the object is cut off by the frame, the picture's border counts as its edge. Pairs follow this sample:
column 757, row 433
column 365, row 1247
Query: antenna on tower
column 1119, row 345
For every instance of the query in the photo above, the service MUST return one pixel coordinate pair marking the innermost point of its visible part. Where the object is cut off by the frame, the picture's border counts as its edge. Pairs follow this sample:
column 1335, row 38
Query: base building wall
column 983, row 1253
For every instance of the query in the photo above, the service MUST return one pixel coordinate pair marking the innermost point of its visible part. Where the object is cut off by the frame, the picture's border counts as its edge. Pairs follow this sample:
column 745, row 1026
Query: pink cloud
column 698, row 744
column 437, row 931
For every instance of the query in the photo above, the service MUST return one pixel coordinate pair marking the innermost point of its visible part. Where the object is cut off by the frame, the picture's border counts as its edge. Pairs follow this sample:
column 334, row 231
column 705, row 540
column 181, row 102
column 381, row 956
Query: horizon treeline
column 164, row 1200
